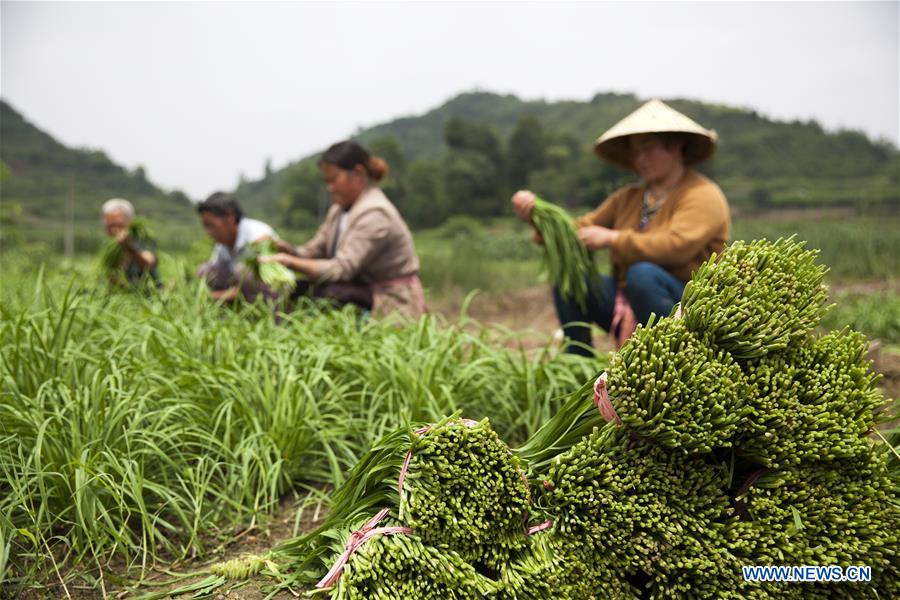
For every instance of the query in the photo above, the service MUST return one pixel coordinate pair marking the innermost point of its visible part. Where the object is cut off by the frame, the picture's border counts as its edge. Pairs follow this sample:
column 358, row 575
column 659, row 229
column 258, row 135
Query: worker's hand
column 281, row 257
column 595, row 237
column 226, row 295
column 523, row 204
column 122, row 236
column 536, row 237
column 285, row 247
column 279, row 243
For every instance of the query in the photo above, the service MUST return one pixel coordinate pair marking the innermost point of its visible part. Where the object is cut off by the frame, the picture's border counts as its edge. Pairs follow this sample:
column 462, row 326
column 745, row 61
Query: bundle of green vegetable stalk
column 112, row 254
column 455, row 484
column 671, row 388
column 568, row 262
column 656, row 494
column 388, row 567
column 466, row 491
column 826, row 513
column 682, row 487
column 645, row 513
column 276, row 276
column 756, row 298
column 815, row 401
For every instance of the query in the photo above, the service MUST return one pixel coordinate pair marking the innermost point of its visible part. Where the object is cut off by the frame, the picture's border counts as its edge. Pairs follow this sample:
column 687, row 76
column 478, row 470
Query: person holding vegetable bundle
column 131, row 252
column 235, row 235
column 363, row 254
column 657, row 231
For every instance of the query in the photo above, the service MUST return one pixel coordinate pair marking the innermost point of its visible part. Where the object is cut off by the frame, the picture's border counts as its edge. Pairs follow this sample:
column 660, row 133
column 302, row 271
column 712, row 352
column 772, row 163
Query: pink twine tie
column 357, row 539
column 602, row 401
column 540, row 527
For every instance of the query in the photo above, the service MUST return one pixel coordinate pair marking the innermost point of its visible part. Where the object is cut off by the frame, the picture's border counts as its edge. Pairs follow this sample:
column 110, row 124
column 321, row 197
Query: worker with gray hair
column 135, row 254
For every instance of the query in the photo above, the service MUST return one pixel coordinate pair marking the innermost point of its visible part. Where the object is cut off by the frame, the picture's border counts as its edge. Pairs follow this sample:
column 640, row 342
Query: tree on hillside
column 424, row 204
column 301, row 196
column 472, row 184
column 526, row 151
column 472, row 171
column 463, row 135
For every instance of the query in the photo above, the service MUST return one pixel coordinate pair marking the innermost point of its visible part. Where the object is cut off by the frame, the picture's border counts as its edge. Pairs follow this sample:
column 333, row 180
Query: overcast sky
column 199, row 93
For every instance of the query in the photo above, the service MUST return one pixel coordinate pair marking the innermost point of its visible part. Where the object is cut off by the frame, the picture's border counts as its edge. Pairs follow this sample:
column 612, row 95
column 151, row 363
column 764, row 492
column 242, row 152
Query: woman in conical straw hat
column 657, row 231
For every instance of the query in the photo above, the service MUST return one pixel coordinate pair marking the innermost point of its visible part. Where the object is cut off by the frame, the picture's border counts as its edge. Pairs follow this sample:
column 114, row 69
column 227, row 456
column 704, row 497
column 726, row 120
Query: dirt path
column 256, row 540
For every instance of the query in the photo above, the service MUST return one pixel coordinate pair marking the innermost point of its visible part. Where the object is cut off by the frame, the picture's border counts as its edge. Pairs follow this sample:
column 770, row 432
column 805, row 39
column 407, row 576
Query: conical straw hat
column 656, row 117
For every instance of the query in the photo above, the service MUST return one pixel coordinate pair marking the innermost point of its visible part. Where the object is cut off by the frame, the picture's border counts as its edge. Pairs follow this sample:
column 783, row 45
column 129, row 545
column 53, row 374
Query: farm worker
column 138, row 256
column 225, row 223
column 658, row 231
column 363, row 254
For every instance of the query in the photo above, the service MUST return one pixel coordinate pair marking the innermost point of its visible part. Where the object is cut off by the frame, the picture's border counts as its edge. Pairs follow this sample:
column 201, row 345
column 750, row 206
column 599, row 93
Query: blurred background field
column 496, row 257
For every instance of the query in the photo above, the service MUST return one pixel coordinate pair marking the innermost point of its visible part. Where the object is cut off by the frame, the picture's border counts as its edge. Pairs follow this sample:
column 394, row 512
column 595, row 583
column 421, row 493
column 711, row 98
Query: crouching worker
column 225, row 274
column 363, row 254
column 130, row 260
column 657, row 231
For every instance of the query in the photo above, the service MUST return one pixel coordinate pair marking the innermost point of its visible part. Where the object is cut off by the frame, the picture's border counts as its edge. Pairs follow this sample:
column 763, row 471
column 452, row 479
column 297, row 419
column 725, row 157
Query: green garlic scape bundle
column 654, row 518
column 638, row 505
column 466, row 491
column 388, row 567
column 756, row 298
column 843, row 513
column 462, row 491
column 817, row 402
column 112, row 254
column 567, row 261
column 276, row 276
column 669, row 387
column 553, row 567
column 647, row 507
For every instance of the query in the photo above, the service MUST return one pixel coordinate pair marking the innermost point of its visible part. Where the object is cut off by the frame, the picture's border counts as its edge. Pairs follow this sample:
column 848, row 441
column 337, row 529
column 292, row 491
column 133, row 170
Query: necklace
column 648, row 209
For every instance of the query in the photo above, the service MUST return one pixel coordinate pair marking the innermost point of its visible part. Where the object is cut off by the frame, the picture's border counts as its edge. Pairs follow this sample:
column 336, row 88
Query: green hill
column 43, row 182
column 466, row 156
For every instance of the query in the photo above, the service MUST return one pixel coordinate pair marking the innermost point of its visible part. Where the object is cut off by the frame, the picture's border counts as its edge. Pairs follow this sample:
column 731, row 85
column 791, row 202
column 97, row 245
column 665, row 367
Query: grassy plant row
column 137, row 430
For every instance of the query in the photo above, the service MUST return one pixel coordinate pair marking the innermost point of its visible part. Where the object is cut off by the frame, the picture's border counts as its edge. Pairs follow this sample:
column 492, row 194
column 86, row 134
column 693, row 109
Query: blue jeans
column 648, row 287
